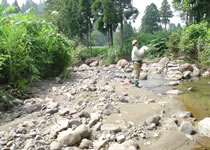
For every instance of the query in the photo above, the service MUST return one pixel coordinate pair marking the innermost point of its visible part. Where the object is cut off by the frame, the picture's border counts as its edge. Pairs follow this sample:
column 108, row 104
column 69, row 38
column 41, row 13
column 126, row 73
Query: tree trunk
column 111, row 36
column 89, row 38
column 121, row 33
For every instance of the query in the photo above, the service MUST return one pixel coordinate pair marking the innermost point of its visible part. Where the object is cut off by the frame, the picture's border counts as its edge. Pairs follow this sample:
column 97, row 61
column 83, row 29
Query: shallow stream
column 196, row 100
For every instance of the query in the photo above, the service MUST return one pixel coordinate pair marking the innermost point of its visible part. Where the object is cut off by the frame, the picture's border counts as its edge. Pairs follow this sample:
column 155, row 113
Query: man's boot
column 136, row 83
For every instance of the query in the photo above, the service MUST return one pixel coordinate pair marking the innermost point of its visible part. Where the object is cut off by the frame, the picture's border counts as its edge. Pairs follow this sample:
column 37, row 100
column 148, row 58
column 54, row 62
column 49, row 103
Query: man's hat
column 134, row 42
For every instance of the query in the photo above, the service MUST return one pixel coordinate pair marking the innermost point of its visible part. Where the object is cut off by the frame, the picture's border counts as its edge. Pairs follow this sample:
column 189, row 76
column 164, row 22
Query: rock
column 186, row 127
column 84, row 67
column 29, row 144
column 33, row 108
column 120, row 138
column 130, row 143
column 174, row 92
column 187, row 74
column 68, row 138
column 86, row 144
column 196, row 72
column 151, row 126
column 52, row 107
column 117, row 146
column 153, row 119
column 132, row 148
column 18, row 101
column 174, row 83
column 100, row 144
column 204, row 127
column 170, row 124
column 186, row 67
column 143, row 76
column 55, row 146
column 185, row 114
column 110, row 127
column 163, row 62
column 174, row 75
column 63, row 111
column 122, row 63
column 206, row 74
column 109, row 109
column 94, row 64
column 190, row 89
column 83, row 130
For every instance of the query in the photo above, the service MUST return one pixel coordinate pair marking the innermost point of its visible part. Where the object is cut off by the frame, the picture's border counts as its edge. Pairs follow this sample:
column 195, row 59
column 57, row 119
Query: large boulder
column 122, row 63
column 204, row 127
column 186, row 127
column 163, row 62
column 186, row 67
column 174, row 75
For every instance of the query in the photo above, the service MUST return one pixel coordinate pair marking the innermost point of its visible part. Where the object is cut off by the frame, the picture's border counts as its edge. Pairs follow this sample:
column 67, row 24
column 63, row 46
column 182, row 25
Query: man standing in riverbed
column 137, row 61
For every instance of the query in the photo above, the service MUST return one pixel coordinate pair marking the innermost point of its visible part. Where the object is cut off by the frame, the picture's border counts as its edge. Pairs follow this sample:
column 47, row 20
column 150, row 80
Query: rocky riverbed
column 98, row 108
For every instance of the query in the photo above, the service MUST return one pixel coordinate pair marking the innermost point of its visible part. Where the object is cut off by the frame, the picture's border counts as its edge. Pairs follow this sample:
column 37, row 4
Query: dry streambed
column 98, row 108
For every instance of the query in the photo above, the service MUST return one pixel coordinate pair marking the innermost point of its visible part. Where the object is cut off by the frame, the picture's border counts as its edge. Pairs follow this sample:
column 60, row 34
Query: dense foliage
column 30, row 49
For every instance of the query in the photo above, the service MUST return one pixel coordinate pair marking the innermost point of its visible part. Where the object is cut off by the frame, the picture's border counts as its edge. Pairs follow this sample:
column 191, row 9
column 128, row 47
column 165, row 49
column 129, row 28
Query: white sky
column 139, row 4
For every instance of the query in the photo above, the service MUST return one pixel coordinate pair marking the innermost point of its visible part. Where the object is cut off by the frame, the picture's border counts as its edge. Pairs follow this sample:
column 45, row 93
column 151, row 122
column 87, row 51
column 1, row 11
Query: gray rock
column 55, row 146
column 163, row 62
column 86, row 144
column 186, row 127
column 130, row 143
column 186, row 67
column 68, row 138
column 153, row 119
column 84, row 67
column 187, row 74
column 100, row 144
column 196, row 72
column 185, row 114
column 204, row 127
column 117, row 146
column 110, row 127
column 122, row 63
column 29, row 144
column 120, row 138
column 33, row 108
column 83, row 130
column 174, row 92
column 174, row 83
column 174, row 75
column 143, row 76
column 170, row 124
column 94, row 64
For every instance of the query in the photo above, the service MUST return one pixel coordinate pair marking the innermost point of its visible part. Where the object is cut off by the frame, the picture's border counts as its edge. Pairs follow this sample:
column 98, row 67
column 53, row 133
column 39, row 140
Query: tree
column 151, row 19
column 179, row 26
column 87, row 16
column 106, row 18
column 125, row 11
column 193, row 11
column 172, row 26
column 128, row 30
column 17, row 9
column 165, row 13
column 4, row 4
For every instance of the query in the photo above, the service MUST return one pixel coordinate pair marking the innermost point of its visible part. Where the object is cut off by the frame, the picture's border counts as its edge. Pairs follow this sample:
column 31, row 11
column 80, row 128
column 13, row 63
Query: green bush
column 112, row 55
column 30, row 49
column 173, row 43
column 157, row 46
column 192, row 37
